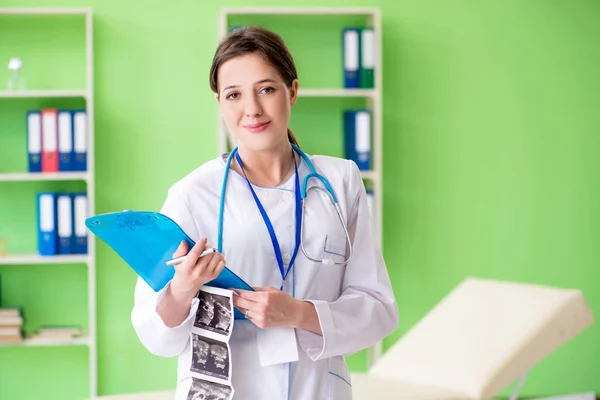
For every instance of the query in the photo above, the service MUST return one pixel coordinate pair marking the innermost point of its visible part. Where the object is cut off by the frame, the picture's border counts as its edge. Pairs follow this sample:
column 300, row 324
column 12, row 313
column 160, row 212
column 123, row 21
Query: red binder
column 49, row 140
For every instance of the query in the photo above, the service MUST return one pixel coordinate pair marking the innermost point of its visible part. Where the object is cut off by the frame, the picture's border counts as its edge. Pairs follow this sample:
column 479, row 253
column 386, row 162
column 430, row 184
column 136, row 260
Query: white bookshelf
column 31, row 342
column 373, row 98
column 36, row 259
column 366, row 11
column 366, row 93
column 45, row 11
column 44, row 94
column 40, row 177
column 87, row 93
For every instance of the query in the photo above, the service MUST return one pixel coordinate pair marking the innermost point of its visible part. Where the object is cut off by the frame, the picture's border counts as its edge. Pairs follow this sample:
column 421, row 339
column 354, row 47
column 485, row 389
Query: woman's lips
column 256, row 128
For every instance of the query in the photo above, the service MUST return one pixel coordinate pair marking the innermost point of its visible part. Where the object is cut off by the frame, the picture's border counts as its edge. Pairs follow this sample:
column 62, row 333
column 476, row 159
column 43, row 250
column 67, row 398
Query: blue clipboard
column 146, row 241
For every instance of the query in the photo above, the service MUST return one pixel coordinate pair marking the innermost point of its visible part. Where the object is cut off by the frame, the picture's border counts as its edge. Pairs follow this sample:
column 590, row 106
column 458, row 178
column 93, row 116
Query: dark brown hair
column 267, row 44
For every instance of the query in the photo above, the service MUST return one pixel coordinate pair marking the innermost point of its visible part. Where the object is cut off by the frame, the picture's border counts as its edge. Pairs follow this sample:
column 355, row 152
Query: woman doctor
column 304, row 315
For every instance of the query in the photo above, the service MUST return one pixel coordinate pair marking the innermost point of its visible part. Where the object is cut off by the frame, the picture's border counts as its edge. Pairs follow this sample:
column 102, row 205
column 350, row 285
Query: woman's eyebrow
column 256, row 83
column 265, row 80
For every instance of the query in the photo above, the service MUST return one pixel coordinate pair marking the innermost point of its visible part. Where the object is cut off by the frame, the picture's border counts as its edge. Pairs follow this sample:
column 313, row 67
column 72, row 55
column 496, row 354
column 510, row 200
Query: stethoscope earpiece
column 328, row 261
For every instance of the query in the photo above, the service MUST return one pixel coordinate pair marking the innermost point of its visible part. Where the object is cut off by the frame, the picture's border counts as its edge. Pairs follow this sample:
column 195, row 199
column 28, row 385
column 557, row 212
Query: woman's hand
column 268, row 307
column 195, row 271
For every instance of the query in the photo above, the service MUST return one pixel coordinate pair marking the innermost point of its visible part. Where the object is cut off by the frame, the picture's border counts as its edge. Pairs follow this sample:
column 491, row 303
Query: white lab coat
column 355, row 303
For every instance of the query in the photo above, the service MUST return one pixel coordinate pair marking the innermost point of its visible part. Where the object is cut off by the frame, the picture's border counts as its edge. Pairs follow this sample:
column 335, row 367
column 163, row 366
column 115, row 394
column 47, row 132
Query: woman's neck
column 269, row 168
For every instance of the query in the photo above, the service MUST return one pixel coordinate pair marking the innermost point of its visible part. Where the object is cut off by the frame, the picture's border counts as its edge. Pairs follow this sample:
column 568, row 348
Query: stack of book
column 11, row 325
column 56, row 333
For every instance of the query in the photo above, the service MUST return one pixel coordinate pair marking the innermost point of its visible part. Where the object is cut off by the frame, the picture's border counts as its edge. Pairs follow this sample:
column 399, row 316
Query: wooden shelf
column 34, row 259
column 301, row 10
column 372, row 175
column 41, row 94
column 337, row 93
column 38, row 176
column 80, row 341
column 45, row 11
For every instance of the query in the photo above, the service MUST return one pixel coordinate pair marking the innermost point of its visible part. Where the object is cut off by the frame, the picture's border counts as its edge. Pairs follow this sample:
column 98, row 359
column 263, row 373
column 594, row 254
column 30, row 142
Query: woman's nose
column 252, row 107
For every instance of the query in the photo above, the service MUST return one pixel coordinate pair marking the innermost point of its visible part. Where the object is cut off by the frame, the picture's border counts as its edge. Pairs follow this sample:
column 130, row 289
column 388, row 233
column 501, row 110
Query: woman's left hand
column 268, row 307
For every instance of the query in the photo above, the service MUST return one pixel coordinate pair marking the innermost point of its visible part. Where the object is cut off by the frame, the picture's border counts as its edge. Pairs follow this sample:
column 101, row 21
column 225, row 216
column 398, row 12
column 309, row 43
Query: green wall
column 490, row 125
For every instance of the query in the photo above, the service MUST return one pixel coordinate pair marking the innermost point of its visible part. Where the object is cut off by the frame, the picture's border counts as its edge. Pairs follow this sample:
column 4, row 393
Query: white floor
column 364, row 388
column 360, row 385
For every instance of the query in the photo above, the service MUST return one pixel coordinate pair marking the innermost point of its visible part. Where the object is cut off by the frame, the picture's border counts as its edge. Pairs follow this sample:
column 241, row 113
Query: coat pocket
column 335, row 247
column 340, row 384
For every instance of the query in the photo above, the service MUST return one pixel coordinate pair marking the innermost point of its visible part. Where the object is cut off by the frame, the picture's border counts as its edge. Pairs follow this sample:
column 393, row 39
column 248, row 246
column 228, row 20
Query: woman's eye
column 232, row 96
column 267, row 90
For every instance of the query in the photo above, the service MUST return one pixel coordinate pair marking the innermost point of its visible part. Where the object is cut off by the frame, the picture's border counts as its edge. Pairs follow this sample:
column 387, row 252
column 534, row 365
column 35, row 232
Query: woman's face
column 255, row 102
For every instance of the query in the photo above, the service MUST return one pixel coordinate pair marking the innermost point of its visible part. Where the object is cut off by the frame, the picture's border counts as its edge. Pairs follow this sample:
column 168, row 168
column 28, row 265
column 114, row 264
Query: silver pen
column 181, row 259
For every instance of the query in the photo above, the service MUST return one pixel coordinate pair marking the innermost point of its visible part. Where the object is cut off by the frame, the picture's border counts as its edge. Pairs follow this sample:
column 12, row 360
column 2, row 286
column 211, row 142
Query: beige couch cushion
column 480, row 338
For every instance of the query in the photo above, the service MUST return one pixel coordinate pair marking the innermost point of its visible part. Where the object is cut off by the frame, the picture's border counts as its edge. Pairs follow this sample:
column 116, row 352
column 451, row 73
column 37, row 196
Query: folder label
column 351, row 57
column 80, row 130
column 351, row 50
column 363, row 137
column 50, row 139
column 46, row 213
column 80, row 216
column 65, row 140
column 80, row 141
column 65, row 224
column 368, row 48
column 34, row 142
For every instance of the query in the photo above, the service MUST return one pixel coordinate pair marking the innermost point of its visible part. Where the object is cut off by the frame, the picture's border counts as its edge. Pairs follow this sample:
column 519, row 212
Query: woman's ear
column 217, row 97
column 294, row 92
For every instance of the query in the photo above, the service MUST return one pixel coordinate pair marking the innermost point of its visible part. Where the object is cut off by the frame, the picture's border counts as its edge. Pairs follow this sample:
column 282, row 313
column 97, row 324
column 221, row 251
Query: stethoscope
column 303, row 195
column 304, row 190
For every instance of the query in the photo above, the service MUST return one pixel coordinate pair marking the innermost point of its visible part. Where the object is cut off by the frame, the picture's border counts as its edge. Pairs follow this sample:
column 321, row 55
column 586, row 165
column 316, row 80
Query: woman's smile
column 257, row 128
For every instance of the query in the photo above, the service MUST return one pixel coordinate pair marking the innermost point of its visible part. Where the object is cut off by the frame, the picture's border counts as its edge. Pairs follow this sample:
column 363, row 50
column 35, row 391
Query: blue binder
column 357, row 137
column 80, row 138
column 65, row 141
column 351, row 61
column 46, row 224
column 64, row 217
column 34, row 141
column 80, row 205
column 146, row 241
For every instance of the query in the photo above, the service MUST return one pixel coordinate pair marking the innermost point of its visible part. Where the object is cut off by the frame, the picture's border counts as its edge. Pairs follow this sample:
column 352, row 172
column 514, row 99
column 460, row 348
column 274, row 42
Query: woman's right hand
column 194, row 271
